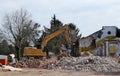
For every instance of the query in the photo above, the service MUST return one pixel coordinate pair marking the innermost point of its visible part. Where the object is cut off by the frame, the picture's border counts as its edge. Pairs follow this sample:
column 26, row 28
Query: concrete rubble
column 87, row 64
column 83, row 64
column 9, row 68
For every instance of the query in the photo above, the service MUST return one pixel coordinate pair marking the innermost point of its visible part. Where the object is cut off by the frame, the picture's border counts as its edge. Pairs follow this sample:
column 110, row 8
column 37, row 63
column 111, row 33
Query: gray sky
column 88, row 15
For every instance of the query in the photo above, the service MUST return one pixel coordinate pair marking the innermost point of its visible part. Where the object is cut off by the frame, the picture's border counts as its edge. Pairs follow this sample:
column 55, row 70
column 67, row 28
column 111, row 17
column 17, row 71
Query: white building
column 105, row 42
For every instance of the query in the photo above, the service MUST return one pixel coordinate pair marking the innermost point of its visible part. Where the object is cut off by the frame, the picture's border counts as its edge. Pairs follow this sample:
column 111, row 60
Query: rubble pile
column 83, row 64
column 27, row 64
column 34, row 63
column 87, row 64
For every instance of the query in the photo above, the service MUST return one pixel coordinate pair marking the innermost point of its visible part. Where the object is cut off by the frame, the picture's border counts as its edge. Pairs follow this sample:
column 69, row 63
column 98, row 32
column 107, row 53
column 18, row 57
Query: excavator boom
column 54, row 34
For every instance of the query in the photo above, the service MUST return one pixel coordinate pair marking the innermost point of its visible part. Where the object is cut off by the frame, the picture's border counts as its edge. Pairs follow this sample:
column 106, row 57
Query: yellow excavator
column 33, row 51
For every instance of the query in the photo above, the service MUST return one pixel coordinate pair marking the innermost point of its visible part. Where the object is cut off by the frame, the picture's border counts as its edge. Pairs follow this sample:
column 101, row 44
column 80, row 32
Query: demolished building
column 104, row 42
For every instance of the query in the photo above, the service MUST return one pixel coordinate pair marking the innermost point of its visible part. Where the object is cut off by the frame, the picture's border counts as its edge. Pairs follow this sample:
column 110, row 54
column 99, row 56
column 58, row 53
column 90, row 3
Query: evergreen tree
column 55, row 43
column 73, row 33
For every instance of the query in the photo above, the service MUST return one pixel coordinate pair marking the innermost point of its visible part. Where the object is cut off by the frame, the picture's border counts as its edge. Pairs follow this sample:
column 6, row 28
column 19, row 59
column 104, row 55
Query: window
column 109, row 32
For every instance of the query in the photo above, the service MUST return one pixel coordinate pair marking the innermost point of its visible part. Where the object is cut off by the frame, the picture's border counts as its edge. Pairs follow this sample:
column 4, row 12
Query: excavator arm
column 52, row 35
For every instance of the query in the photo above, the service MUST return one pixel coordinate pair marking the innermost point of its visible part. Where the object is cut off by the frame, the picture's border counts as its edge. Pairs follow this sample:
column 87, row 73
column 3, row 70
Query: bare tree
column 1, row 36
column 19, row 29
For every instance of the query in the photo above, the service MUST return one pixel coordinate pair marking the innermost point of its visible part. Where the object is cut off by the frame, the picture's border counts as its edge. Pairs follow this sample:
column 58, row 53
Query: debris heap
column 87, row 64
column 34, row 63
column 83, row 64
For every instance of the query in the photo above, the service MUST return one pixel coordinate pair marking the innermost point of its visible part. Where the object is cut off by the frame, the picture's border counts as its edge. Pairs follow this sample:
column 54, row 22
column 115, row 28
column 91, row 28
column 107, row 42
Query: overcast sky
column 88, row 15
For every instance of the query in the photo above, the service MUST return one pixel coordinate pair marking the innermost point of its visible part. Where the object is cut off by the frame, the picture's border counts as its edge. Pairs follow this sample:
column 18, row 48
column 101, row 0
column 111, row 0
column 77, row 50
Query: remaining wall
column 85, row 42
column 107, row 31
column 108, row 48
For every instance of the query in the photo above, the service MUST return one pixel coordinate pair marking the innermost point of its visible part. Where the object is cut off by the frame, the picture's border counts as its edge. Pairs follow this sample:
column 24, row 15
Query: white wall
column 106, row 29
column 86, row 42
column 118, row 50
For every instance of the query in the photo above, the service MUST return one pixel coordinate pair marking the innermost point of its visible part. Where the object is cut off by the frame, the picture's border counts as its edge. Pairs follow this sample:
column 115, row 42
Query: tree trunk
column 18, row 52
